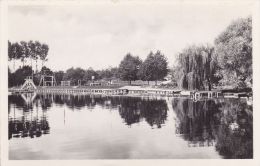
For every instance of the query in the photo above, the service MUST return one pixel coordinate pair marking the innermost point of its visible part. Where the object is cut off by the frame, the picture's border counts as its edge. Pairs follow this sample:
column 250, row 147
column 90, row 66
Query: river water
column 100, row 127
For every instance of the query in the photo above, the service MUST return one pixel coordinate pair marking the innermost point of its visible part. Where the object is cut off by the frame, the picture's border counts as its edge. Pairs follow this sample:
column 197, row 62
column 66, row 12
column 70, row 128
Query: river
column 51, row 126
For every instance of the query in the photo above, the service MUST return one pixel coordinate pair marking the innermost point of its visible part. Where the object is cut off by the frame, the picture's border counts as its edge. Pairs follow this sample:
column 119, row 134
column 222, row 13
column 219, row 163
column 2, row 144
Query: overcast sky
column 99, row 36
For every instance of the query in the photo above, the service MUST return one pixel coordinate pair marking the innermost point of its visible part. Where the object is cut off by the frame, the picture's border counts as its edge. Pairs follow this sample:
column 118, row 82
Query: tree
column 108, row 74
column 38, row 53
column 17, row 78
column 154, row 68
column 89, row 73
column 31, row 52
column 59, row 76
column 159, row 65
column 14, row 52
column 144, row 72
column 234, row 53
column 46, row 71
column 115, row 72
column 24, row 51
column 44, row 53
column 74, row 75
column 196, row 68
column 129, row 67
column 105, row 74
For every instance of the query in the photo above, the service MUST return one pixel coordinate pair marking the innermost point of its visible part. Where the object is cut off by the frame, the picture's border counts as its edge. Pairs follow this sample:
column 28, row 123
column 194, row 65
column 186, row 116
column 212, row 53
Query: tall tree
column 129, row 67
column 24, row 51
column 196, row 68
column 44, row 53
column 159, row 66
column 32, row 52
column 144, row 72
column 14, row 52
column 38, row 53
column 154, row 68
column 234, row 53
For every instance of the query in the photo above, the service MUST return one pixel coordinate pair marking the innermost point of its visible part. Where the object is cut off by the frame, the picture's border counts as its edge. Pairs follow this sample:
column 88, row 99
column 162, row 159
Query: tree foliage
column 17, row 78
column 234, row 53
column 89, row 73
column 109, row 74
column 129, row 67
column 32, row 50
column 74, row 75
column 196, row 68
column 155, row 67
column 46, row 71
column 59, row 76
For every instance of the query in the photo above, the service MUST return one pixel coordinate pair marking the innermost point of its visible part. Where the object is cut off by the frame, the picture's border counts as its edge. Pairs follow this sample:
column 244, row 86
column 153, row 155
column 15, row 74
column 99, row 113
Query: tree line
column 228, row 63
column 24, row 51
column 131, row 68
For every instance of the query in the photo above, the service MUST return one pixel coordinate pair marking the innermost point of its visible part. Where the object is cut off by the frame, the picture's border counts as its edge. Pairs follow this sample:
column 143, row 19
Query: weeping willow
column 196, row 68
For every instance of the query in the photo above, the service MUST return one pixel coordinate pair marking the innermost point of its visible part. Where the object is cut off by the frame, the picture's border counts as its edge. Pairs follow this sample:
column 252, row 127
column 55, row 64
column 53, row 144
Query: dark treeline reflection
column 32, row 123
column 131, row 109
column 154, row 112
column 226, row 124
column 28, row 127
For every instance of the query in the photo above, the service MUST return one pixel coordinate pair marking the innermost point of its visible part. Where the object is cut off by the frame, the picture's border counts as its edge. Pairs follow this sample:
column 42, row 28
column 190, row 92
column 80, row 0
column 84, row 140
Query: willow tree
column 196, row 68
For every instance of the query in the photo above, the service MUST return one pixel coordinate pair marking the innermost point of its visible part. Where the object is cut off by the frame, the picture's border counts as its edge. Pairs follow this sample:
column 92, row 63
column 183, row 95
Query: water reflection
column 225, row 124
column 28, row 124
column 235, row 135
column 133, row 110
column 197, row 121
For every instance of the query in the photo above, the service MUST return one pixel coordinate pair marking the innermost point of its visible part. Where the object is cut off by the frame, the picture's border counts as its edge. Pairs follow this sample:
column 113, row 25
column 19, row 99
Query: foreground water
column 96, row 127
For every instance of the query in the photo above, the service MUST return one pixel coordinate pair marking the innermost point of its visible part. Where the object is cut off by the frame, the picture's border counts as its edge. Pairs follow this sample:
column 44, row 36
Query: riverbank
column 136, row 91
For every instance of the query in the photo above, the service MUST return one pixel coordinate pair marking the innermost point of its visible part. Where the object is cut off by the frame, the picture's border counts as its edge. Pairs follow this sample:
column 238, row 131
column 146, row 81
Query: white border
column 194, row 162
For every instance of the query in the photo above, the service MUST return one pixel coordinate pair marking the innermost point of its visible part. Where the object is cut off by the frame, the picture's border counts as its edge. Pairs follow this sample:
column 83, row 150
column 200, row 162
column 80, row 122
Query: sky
column 100, row 35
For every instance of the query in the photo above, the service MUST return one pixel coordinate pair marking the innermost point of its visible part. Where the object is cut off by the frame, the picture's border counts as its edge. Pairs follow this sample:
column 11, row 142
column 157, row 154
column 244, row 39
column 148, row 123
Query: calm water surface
column 96, row 127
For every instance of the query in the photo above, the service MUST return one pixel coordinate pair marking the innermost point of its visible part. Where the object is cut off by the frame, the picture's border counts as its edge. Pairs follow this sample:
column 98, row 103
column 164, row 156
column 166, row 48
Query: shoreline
column 137, row 91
